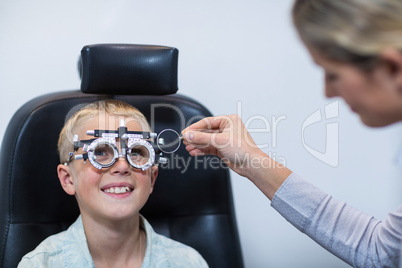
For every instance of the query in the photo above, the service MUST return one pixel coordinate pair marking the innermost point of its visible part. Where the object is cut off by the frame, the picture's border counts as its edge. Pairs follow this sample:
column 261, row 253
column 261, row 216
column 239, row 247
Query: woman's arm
column 351, row 235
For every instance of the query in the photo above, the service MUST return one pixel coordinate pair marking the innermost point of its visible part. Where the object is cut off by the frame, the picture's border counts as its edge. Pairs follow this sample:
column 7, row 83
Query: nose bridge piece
column 121, row 165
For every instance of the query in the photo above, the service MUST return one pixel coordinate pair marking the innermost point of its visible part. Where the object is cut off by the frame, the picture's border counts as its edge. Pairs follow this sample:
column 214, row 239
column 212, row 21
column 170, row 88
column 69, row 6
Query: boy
column 111, row 177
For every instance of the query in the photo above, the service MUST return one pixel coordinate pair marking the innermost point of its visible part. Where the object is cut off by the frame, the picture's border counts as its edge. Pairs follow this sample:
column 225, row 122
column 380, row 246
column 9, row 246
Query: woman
column 358, row 43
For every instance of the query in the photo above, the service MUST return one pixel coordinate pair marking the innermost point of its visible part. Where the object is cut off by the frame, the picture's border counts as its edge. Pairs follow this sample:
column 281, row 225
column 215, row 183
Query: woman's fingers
column 212, row 135
column 207, row 123
column 200, row 138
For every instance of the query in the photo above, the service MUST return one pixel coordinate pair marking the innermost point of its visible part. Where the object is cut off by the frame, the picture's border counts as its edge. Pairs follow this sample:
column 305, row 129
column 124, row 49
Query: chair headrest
column 124, row 69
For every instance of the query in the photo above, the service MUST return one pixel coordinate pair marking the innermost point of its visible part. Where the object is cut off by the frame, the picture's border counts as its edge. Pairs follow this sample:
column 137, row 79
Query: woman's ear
column 66, row 179
column 154, row 175
column 392, row 58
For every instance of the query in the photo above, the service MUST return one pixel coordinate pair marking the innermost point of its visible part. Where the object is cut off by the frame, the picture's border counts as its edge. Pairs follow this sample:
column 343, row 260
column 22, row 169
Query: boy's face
column 95, row 189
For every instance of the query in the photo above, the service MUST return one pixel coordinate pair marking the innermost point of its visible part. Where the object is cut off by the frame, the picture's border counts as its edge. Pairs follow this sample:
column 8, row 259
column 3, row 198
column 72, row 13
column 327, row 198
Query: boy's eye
column 100, row 152
column 103, row 154
column 139, row 155
column 138, row 152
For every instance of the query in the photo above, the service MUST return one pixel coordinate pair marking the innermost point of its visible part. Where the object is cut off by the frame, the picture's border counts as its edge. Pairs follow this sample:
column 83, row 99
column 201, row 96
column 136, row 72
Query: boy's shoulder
column 55, row 250
column 51, row 245
column 46, row 252
column 162, row 250
column 171, row 246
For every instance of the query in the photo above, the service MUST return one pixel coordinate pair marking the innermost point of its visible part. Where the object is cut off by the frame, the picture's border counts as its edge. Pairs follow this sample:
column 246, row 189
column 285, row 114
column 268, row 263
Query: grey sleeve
column 351, row 235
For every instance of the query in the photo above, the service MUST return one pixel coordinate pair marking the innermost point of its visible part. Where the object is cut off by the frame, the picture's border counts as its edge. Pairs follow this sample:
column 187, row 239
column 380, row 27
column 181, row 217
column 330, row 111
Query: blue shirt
column 70, row 249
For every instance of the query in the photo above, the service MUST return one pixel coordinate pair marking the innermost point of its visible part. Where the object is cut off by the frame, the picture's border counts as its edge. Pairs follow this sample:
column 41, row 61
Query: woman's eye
column 330, row 77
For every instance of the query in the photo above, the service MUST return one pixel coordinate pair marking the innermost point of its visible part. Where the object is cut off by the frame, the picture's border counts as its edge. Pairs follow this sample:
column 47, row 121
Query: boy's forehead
column 108, row 122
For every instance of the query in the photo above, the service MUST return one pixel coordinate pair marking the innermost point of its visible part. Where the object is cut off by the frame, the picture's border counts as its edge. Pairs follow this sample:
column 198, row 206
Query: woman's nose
column 330, row 90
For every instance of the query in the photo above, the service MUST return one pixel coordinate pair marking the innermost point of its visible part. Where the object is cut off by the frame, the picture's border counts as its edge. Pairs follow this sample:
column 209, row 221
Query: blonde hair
column 353, row 31
column 110, row 107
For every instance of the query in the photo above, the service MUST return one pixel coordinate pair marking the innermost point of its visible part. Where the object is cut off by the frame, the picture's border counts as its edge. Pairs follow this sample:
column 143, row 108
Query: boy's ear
column 154, row 175
column 393, row 61
column 66, row 179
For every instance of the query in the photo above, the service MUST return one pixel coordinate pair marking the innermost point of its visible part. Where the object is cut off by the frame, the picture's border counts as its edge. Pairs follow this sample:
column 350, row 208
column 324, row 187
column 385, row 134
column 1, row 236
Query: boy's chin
column 120, row 217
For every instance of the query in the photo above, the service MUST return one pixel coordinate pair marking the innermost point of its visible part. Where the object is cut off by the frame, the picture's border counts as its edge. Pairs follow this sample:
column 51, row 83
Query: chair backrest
column 192, row 200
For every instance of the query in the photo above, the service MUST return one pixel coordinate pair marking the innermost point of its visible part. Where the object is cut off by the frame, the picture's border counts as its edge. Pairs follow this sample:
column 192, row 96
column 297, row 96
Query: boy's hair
column 107, row 107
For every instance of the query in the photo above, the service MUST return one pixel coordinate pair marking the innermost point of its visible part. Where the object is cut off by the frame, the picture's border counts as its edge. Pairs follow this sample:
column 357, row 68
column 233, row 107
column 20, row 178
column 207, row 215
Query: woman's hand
column 224, row 136
column 228, row 138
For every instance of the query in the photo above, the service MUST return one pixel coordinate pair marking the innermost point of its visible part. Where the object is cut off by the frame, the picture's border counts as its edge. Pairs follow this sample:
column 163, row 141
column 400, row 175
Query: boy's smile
column 117, row 189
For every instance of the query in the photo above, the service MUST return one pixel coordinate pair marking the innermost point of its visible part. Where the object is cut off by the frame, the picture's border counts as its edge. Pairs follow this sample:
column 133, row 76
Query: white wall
column 230, row 52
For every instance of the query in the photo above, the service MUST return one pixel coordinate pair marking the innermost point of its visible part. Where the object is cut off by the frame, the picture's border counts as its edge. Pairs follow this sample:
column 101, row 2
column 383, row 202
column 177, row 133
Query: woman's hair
column 353, row 31
column 103, row 107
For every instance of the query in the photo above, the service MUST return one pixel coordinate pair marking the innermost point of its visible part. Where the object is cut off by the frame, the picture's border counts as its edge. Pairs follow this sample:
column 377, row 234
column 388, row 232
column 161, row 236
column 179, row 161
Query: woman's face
column 373, row 95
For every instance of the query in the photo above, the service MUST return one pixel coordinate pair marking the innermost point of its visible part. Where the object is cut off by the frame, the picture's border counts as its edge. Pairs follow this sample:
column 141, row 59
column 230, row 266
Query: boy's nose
column 121, row 166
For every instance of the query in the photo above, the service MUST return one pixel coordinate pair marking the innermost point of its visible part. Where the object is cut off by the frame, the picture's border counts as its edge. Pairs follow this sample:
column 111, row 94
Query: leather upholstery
column 136, row 69
column 192, row 204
